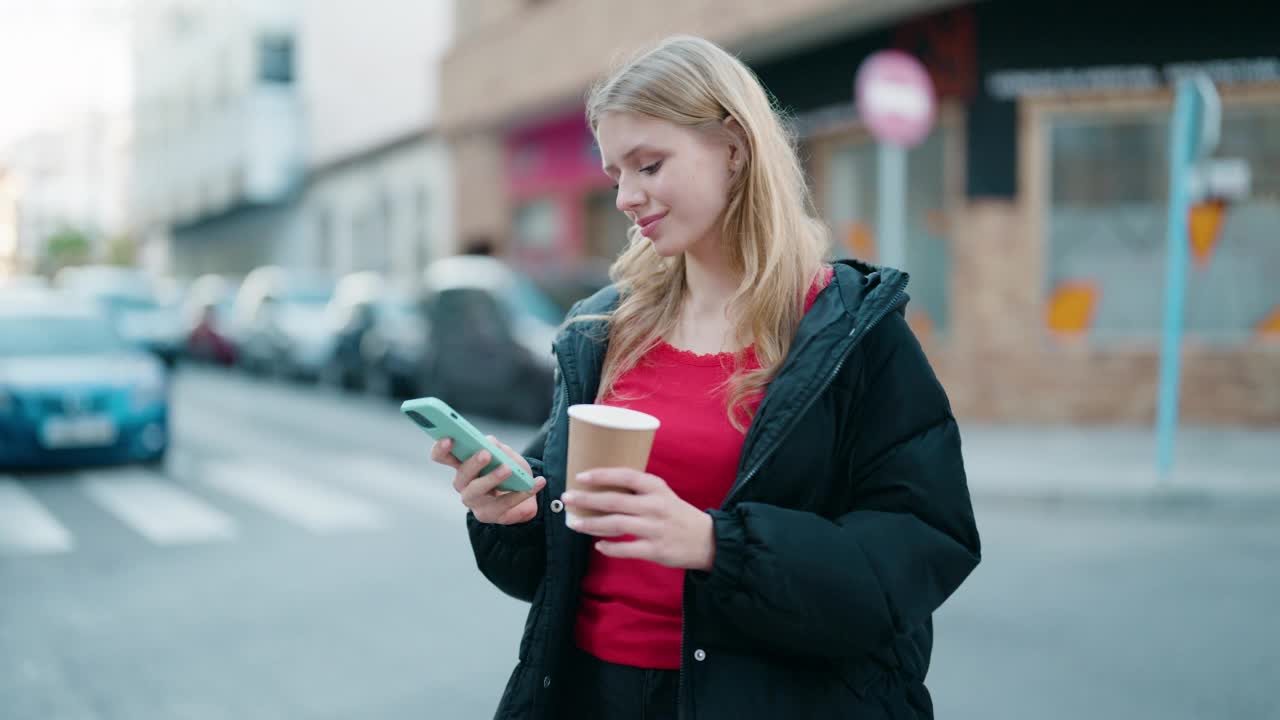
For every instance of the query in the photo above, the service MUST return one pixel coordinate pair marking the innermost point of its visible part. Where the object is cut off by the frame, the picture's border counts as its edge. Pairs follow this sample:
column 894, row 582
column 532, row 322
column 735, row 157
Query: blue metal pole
column 1182, row 139
column 892, row 231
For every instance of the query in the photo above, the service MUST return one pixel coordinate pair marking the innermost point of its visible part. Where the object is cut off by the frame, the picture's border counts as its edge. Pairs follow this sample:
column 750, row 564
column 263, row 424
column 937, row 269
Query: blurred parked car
column 381, row 331
column 279, row 323
column 72, row 391
column 491, row 335
column 23, row 282
column 129, row 297
column 207, row 313
column 393, row 353
column 565, row 286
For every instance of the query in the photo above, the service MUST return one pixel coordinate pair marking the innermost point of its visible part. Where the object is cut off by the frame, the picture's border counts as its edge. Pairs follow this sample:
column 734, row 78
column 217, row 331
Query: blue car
column 72, row 391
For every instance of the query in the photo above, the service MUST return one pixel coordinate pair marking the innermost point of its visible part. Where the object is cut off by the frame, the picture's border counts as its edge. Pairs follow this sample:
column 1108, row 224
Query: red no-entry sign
column 895, row 98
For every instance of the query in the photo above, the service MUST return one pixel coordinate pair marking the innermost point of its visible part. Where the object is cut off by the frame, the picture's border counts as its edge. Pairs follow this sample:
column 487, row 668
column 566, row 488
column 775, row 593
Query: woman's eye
column 651, row 169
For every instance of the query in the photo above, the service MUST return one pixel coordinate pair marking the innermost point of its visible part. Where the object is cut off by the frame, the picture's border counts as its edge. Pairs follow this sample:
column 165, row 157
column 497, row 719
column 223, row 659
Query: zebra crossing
column 197, row 502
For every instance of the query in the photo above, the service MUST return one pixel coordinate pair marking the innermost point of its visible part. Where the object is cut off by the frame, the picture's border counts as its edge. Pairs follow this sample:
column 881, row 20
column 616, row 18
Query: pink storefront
column 562, row 202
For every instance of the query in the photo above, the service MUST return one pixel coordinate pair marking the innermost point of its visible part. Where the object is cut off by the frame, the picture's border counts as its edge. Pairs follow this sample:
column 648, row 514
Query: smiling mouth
column 648, row 222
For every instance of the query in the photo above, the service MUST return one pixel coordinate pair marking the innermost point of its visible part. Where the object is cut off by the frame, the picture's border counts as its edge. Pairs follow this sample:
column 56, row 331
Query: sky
column 57, row 58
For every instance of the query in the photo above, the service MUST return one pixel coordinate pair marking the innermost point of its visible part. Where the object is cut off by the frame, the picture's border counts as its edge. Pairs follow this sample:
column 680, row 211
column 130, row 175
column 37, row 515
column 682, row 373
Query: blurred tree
column 67, row 246
column 122, row 250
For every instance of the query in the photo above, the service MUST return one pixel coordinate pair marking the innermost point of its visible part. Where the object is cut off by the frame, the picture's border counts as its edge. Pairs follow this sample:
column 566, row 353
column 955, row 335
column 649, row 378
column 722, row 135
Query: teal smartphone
column 441, row 421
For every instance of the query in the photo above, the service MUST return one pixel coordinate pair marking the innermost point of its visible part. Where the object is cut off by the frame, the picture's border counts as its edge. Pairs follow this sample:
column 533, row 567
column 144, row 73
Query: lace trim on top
column 668, row 351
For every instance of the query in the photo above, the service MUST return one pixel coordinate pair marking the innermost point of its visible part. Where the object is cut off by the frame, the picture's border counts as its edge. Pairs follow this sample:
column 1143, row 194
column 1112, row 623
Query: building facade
column 10, row 261
column 353, row 179
column 74, row 176
column 217, row 113
column 386, row 208
column 1036, row 208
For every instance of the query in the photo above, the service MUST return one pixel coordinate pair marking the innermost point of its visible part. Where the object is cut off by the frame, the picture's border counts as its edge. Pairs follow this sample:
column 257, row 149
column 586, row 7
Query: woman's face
column 672, row 182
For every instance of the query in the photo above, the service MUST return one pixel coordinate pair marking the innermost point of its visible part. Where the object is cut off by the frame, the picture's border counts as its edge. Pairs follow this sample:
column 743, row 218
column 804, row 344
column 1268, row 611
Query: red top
column 630, row 610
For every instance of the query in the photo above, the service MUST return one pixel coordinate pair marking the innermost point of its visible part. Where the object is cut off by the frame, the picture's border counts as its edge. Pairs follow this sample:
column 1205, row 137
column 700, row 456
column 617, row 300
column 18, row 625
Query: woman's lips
column 649, row 224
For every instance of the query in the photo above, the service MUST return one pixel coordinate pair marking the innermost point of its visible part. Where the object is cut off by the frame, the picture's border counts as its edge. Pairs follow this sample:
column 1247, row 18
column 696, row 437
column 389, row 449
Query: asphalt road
column 300, row 558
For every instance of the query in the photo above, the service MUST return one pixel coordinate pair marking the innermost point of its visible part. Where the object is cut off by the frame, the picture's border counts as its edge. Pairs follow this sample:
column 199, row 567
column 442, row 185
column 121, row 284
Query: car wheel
column 332, row 375
column 156, row 462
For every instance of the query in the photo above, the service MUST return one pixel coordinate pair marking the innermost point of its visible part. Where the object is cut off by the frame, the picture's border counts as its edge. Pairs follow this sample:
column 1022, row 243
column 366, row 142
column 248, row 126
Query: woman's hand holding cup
column 480, row 493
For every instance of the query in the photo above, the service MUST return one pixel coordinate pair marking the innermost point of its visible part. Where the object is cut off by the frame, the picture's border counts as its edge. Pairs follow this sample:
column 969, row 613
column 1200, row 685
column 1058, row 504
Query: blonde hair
column 774, row 238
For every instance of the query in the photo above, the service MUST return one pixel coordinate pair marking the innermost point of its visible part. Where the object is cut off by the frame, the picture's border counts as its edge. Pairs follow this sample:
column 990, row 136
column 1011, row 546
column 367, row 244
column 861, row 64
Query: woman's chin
column 665, row 248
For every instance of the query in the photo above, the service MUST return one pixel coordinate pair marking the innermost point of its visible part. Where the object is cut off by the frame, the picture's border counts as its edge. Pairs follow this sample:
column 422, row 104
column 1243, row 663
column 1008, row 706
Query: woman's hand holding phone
column 480, row 493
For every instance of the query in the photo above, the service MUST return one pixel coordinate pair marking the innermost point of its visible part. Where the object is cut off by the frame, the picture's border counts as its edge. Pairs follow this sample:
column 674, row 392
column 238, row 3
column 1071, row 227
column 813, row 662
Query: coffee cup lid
column 617, row 418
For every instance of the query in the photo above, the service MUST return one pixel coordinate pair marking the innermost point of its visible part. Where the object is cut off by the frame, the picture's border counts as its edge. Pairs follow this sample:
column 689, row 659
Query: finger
column 635, row 549
column 612, row 525
column 440, row 453
column 493, row 508
column 608, row 502
column 486, row 485
column 499, row 505
column 511, row 453
column 624, row 478
column 524, row 512
column 468, row 470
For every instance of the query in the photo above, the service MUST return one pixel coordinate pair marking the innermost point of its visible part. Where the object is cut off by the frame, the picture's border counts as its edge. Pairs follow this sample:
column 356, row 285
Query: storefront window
column 1106, row 227
column 851, row 210
column 606, row 226
column 537, row 225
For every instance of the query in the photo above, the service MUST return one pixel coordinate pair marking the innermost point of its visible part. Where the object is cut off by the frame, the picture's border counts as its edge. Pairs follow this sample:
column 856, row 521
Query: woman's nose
column 629, row 198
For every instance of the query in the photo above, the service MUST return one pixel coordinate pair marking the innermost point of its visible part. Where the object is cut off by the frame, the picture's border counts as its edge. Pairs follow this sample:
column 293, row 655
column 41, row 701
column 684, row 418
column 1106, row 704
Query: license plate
column 79, row 432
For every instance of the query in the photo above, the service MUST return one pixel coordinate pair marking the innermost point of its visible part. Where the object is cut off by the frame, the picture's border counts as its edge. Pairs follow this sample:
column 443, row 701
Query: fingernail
column 484, row 456
column 569, row 496
column 584, row 477
column 572, row 521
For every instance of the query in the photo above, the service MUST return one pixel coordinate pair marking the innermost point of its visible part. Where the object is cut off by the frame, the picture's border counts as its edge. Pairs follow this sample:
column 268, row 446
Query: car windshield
column 127, row 303
column 56, row 335
column 310, row 295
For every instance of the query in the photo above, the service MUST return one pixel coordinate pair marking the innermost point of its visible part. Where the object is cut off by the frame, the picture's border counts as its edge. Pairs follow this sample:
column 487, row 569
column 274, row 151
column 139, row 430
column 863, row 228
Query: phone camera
column 417, row 417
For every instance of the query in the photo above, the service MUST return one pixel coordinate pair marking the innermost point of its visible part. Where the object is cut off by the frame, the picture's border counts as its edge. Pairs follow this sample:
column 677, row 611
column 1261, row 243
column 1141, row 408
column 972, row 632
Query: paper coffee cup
column 602, row 436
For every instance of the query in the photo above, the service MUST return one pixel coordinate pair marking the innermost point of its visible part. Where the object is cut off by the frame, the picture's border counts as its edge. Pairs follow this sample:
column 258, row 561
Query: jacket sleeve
column 802, row 583
column 513, row 557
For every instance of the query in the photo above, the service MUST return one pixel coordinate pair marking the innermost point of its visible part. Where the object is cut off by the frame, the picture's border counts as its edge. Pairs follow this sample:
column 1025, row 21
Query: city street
column 299, row 558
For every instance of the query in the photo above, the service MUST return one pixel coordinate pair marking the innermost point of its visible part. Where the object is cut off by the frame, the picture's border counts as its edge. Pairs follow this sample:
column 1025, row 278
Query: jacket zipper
column 856, row 333
column 680, row 677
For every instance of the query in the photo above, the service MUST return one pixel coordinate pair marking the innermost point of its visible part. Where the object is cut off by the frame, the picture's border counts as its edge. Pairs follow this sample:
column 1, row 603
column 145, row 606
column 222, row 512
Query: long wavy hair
column 769, row 226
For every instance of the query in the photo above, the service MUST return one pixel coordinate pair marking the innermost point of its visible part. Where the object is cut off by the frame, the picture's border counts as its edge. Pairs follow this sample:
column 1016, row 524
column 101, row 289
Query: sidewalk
column 1116, row 464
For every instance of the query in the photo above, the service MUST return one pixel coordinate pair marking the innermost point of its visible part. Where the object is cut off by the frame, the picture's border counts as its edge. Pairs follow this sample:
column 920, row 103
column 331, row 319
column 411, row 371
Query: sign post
column 895, row 99
column 1197, row 124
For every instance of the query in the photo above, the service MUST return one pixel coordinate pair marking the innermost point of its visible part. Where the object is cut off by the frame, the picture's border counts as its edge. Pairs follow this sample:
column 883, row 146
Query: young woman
column 804, row 510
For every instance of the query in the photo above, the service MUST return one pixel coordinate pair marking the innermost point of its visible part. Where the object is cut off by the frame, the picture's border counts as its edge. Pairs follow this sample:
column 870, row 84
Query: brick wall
column 1000, row 364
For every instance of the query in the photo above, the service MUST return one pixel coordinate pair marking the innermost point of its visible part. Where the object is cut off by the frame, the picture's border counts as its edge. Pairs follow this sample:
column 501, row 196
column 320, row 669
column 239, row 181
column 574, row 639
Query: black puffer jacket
column 848, row 525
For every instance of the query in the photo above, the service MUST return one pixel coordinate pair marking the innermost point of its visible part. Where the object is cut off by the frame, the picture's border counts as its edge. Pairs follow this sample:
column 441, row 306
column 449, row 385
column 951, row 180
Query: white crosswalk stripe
column 426, row 489
column 156, row 508
column 26, row 526
column 309, row 504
